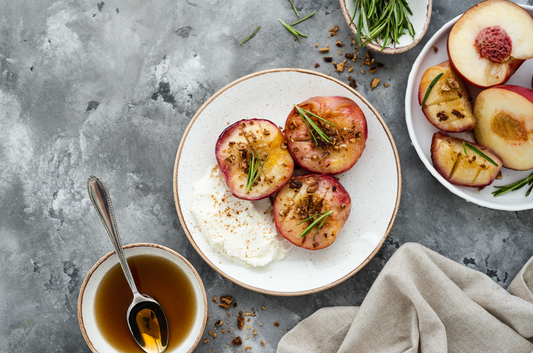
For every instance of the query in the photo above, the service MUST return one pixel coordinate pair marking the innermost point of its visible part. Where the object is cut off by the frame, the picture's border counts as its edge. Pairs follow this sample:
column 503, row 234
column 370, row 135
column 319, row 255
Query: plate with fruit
column 469, row 105
column 287, row 182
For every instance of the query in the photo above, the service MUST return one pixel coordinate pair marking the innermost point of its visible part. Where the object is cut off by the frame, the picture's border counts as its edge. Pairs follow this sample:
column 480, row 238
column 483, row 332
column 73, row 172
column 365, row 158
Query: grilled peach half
column 255, row 149
column 307, row 199
column 448, row 105
column 345, row 134
column 460, row 164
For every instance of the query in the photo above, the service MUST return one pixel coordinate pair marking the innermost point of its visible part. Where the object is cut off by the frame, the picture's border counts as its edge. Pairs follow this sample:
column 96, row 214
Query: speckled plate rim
column 388, row 50
column 184, row 224
column 137, row 245
column 417, row 65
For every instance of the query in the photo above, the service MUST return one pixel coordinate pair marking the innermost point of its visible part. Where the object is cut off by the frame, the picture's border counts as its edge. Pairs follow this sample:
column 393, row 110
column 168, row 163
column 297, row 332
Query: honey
column 156, row 277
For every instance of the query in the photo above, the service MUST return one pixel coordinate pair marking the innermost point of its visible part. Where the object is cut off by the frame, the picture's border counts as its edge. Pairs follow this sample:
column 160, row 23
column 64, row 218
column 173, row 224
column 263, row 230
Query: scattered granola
column 225, row 301
column 333, row 31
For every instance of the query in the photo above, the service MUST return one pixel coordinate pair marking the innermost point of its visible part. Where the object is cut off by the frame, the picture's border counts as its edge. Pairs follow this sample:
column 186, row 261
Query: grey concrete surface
column 108, row 87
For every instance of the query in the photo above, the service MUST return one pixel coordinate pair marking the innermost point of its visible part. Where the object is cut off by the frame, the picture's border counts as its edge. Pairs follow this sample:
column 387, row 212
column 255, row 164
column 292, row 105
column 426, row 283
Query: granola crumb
column 352, row 83
column 262, row 343
column 316, row 45
column 206, row 340
column 215, row 299
column 263, row 307
column 323, row 50
column 247, row 348
column 374, row 83
column 350, row 69
column 340, row 67
column 276, row 324
column 386, row 84
column 317, row 65
column 435, row 49
column 237, row 341
column 363, row 72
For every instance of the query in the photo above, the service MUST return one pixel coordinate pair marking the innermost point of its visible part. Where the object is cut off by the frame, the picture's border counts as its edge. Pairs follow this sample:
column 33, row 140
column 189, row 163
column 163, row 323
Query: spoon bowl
column 146, row 319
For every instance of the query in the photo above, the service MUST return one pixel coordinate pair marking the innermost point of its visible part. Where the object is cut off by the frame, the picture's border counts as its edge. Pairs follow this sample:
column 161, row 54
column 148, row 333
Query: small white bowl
column 86, row 312
column 420, row 19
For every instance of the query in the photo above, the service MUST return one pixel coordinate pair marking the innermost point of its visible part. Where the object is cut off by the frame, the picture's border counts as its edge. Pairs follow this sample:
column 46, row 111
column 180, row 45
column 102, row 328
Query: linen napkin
column 424, row 302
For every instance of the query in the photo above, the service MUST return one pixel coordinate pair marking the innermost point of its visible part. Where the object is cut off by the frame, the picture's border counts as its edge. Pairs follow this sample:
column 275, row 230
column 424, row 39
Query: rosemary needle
column 466, row 144
column 430, row 87
column 303, row 19
column 295, row 32
column 315, row 222
column 294, row 8
column 250, row 36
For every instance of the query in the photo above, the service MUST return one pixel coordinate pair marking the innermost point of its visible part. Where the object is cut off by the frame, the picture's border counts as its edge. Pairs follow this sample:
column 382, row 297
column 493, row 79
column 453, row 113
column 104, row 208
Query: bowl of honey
column 160, row 273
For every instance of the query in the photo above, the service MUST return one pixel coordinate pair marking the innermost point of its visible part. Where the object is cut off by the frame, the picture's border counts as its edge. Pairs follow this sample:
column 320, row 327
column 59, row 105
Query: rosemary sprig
column 294, row 8
column 477, row 151
column 322, row 217
column 309, row 123
column 382, row 21
column 503, row 189
column 254, row 170
column 251, row 35
column 430, row 87
column 303, row 19
column 295, row 32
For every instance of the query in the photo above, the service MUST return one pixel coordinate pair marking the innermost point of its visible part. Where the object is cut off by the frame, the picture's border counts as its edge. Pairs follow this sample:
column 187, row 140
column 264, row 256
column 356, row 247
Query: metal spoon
column 146, row 319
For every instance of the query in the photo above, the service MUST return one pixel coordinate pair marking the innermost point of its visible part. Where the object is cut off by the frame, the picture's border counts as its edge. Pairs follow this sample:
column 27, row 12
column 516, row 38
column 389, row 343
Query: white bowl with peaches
column 469, row 105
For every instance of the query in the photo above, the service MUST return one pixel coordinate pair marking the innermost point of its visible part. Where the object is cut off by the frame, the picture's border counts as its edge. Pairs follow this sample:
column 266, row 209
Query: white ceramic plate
column 421, row 131
column 374, row 183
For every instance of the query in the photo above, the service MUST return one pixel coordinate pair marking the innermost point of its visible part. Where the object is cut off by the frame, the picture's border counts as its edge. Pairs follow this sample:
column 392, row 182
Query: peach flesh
column 504, row 122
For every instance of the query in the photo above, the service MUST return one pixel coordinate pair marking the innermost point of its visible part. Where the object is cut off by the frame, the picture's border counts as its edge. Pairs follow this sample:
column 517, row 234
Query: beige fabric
column 424, row 302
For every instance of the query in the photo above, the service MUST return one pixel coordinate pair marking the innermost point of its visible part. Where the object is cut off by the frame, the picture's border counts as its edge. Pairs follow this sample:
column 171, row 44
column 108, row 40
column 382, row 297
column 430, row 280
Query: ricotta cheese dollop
column 240, row 230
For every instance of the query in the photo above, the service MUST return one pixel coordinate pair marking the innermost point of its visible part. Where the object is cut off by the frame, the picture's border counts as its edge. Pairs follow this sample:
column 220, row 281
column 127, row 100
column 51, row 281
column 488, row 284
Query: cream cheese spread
column 240, row 230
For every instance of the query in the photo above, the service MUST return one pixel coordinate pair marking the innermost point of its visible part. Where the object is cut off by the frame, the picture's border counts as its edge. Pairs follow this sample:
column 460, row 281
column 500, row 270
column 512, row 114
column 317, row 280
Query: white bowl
column 420, row 20
column 86, row 312
column 421, row 131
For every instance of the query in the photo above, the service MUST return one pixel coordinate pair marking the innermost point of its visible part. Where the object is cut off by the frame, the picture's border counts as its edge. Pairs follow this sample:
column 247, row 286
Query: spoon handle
column 102, row 203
